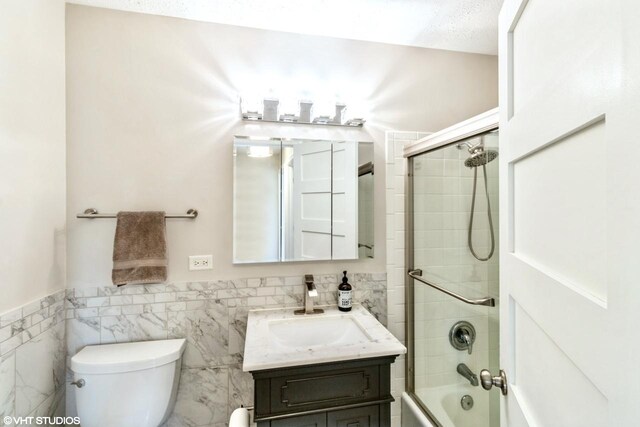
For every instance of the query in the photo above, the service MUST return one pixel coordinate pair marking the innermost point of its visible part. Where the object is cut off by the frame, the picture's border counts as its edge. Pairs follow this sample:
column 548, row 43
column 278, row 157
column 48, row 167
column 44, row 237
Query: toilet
column 240, row 418
column 127, row 385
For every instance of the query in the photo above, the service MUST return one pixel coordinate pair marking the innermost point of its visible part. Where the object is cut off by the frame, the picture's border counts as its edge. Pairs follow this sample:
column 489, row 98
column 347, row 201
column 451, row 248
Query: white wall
column 152, row 110
column 32, row 150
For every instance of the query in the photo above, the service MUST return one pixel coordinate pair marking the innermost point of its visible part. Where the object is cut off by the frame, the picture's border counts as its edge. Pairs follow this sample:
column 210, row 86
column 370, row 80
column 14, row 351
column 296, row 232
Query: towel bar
column 92, row 213
column 417, row 275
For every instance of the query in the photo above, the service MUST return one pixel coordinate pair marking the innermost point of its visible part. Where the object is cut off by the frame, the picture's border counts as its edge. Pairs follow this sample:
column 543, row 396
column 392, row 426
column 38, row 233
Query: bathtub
column 412, row 415
column 444, row 404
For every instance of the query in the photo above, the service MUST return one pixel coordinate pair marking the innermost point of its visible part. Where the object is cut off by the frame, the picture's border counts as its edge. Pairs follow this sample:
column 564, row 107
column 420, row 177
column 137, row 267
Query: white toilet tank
column 127, row 385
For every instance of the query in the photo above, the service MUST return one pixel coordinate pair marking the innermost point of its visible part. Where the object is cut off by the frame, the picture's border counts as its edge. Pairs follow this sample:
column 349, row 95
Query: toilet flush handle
column 80, row 383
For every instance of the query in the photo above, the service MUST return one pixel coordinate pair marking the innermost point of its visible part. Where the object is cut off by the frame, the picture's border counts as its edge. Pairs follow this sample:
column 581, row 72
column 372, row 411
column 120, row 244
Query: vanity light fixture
column 270, row 113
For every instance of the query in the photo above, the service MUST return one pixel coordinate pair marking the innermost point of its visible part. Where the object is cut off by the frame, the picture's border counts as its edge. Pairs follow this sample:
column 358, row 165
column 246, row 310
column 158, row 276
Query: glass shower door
column 453, row 340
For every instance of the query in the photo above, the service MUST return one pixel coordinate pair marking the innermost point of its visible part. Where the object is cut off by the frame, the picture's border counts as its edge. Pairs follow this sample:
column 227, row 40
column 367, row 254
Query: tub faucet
column 310, row 292
column 466, row 372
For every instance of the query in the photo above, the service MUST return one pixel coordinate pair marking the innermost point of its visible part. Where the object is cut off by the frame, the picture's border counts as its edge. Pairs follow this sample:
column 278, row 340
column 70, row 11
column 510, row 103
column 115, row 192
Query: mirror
column 302, row 199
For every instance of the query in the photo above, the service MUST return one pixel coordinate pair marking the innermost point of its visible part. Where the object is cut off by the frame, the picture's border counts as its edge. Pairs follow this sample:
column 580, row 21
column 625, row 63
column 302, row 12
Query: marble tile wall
column 32, row 359
column 212, row 316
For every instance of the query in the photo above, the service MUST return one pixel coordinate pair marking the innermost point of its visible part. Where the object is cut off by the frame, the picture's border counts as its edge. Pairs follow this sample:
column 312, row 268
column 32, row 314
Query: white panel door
column 345, row 200
column 570, row 212
column 312, row 200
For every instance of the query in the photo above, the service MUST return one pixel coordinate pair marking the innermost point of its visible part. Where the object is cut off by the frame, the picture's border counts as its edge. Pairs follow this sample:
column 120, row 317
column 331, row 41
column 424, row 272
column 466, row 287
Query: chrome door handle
column 487, row 380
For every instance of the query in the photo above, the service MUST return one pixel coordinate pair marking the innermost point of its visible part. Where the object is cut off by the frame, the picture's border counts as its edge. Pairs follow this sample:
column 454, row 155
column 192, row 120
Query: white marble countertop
column 263, row 351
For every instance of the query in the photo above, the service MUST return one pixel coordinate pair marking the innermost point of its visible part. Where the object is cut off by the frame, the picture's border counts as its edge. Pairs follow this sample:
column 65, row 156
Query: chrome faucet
column 462, row 336
column 466, row 372
column 468, row 341
column 310, row 292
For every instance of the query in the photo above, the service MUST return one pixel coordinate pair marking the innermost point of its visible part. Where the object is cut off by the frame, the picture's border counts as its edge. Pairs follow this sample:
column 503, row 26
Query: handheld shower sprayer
column 479, row 157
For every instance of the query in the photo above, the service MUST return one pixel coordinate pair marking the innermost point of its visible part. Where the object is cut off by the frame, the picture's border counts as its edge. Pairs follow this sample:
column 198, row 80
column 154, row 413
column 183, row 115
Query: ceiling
column 461, row 25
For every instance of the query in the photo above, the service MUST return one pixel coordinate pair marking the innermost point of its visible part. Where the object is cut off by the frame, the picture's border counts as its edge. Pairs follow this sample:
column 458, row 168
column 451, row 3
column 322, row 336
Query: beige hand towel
column 139, row 249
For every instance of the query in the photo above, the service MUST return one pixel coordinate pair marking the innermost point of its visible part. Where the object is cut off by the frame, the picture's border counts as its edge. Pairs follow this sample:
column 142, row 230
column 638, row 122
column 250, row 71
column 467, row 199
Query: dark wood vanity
column 354, row 393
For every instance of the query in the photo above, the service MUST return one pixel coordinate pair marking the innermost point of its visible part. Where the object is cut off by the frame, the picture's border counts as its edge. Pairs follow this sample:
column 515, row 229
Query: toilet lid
column 126, row 357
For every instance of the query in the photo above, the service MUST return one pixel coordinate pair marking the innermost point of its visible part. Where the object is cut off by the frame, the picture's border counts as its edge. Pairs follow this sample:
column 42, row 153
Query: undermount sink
column 277, row 338
column 310, row 332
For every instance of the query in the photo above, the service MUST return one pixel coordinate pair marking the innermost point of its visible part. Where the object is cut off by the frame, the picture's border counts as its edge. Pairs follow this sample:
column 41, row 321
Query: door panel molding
column 576, row 288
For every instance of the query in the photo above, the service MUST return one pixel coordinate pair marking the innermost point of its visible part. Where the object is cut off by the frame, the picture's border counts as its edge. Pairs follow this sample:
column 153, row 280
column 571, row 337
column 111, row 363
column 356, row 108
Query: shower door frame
column 475, row 126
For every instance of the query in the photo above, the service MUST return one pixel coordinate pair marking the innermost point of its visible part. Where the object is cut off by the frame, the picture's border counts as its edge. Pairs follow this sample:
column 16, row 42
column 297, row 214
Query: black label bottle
column 344, row 294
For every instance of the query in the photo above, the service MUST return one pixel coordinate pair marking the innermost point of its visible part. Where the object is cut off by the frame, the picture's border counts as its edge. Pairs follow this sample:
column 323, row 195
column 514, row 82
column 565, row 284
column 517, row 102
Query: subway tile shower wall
column 212, row 316
column 32, row 359
column 395, row 197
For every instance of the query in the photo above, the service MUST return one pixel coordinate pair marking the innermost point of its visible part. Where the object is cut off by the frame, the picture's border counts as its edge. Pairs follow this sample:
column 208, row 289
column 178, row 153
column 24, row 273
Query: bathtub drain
column 466, row 402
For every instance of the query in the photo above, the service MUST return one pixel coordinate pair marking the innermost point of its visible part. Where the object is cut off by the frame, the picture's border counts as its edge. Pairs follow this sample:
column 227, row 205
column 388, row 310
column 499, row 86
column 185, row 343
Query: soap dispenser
column 344, row 294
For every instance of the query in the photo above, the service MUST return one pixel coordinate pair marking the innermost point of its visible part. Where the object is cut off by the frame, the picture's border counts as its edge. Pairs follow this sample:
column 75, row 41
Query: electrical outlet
column 200, row 262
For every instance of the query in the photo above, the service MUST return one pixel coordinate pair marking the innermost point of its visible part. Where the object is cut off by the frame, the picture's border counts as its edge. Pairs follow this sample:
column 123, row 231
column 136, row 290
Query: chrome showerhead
column 480, row 158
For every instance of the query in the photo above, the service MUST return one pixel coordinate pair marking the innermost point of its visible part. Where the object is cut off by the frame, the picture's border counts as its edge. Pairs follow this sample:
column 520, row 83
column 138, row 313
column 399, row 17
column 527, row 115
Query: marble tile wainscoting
column 32, row 359
column 212, row 316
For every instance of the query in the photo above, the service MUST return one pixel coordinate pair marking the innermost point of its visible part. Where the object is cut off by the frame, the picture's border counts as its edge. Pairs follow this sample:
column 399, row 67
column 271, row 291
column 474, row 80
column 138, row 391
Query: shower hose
column 473, row 204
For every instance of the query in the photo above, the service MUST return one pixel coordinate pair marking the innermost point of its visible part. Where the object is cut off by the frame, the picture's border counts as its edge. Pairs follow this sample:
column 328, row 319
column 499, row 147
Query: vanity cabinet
column 355, row 393
column 367, row 416
column 315, row 420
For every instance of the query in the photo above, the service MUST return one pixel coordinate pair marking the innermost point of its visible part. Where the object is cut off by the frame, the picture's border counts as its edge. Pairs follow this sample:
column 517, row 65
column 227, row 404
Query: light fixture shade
column 306, row 111
column 251, row 107
column 270, row 112
column 259, row 151
column 341, row 110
